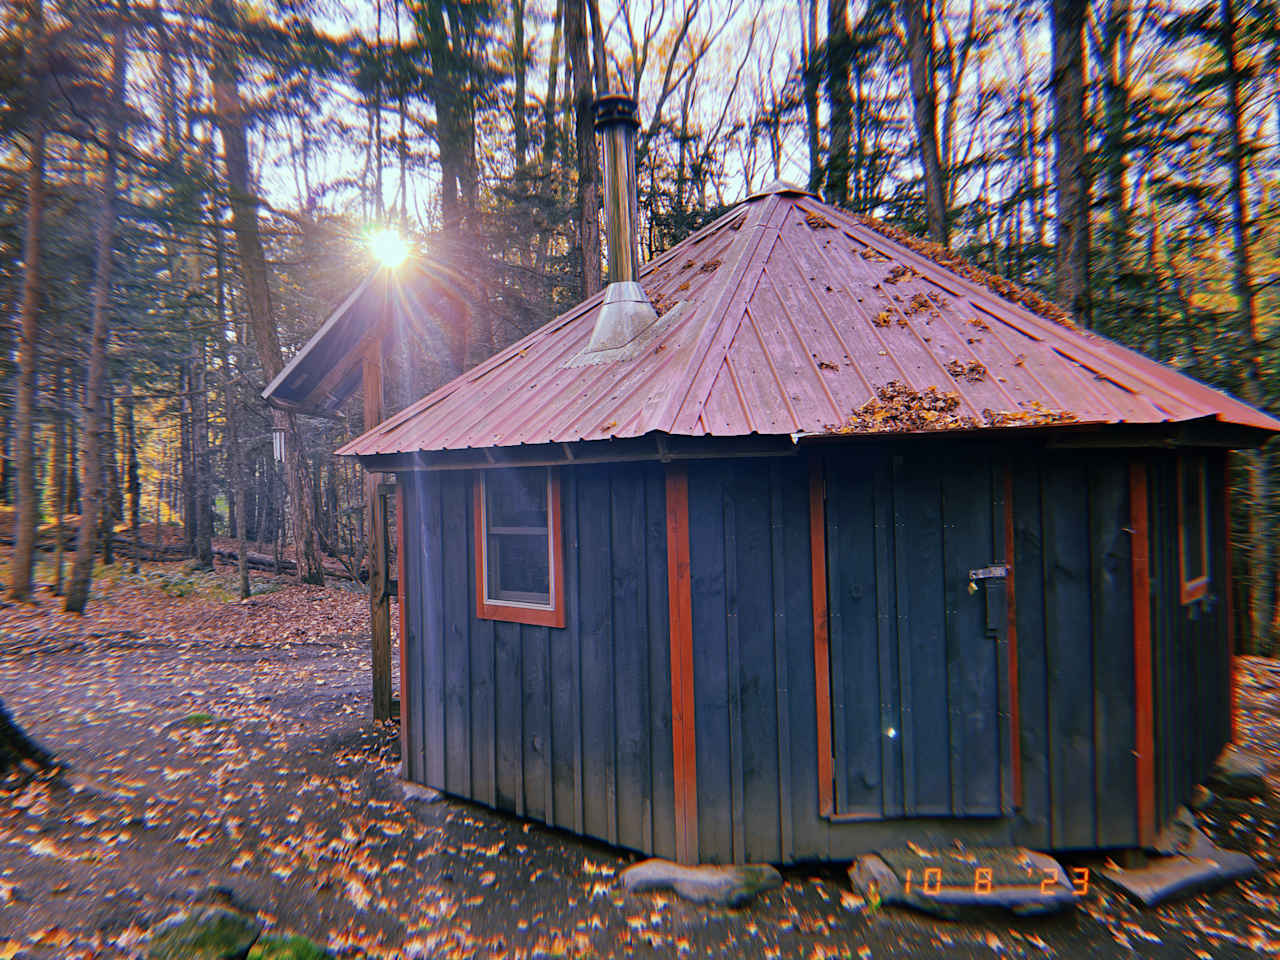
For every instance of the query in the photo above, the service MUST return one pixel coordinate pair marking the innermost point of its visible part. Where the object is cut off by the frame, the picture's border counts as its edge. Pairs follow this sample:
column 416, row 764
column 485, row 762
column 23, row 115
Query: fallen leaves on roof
column 953, row 261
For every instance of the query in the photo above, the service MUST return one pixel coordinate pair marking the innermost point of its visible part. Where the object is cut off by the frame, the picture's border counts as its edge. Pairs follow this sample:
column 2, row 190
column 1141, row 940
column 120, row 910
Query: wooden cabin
column 848, row 544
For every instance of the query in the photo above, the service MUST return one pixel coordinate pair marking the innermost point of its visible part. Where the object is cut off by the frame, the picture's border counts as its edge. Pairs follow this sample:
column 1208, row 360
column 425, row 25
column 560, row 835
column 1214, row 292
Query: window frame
column 509, row 611
column 1193, row 589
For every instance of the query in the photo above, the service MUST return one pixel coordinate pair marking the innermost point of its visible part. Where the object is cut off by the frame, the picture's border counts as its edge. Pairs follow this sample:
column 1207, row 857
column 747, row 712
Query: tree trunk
column 1071, row 172
column 200, row 460
column 111, row 505
column 59, row 472
column 1115, row 97
column 812, row 77
column 95, row 424
column 18, row 749
column 1253, row 348
column 29, row 329
column 838, row 55
column 519, row 65
column 229, row 113
column 919, row 31
column 133, row 479
column 579, row 52
column 190, row 517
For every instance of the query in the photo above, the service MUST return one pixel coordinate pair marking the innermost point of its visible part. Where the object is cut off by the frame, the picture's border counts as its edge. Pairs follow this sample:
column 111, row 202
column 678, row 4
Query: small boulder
column 205, row 932
column 730, row 886
column 1239, row 773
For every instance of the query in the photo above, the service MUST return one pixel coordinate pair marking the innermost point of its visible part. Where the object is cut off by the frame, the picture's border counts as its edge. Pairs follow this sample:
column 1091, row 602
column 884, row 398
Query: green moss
column 288, row 948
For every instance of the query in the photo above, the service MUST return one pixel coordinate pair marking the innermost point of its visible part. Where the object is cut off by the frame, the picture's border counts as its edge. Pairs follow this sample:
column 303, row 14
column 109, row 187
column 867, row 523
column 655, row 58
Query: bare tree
column 839, row 51
column 229, row 115
column 29, row 330
column 1071, row 171
column 98, row 428
column 575, row 14
column 919, row 30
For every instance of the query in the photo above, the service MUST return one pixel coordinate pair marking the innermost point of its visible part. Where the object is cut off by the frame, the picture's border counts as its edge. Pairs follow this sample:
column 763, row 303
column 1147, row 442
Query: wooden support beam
column 376, row 518
column 680, row 600
column 1144, row 713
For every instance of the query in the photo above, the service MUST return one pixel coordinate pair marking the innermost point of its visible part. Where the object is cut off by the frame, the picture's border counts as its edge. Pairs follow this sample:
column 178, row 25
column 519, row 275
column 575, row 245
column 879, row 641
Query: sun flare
column 388, row 247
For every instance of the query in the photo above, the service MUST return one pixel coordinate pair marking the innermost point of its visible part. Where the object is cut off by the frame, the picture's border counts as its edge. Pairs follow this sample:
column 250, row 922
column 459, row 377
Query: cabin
column 806, row 539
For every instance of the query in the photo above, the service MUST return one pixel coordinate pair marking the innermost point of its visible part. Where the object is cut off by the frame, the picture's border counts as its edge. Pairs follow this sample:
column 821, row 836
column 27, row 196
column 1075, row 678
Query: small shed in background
column 347, row 353
column 849, row 545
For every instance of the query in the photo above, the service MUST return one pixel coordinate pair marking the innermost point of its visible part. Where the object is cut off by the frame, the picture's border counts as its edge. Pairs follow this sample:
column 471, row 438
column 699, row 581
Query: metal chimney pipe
column 617, row 123
column 626, row 313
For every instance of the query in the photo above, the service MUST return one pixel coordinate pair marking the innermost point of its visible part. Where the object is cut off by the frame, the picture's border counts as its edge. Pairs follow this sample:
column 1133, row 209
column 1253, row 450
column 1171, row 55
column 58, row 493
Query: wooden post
column 376, row 517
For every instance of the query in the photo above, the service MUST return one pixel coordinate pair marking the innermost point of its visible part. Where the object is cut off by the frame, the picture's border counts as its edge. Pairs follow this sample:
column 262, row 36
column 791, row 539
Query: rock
column 1189, row 863
column 207, row 932
column 411, row 792
column 288, row 948
column 1239, row 773
column 964, row 884
column 731, row 886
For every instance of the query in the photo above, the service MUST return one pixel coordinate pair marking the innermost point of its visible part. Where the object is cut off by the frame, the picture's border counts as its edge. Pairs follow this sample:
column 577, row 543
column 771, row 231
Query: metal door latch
column 996, row 571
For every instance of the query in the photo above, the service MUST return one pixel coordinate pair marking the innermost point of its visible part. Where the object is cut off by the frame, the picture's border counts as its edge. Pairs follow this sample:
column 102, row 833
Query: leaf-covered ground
column 231, row 746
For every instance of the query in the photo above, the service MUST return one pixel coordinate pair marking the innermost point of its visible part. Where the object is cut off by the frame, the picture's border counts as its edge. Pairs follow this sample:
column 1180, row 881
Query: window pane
column 519, row 570
column 517, row 498
column 517, row 537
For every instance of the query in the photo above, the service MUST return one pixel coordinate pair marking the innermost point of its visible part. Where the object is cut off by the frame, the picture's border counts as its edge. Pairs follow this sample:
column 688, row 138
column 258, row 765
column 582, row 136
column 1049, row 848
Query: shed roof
column 788, row 316
column 324, row 373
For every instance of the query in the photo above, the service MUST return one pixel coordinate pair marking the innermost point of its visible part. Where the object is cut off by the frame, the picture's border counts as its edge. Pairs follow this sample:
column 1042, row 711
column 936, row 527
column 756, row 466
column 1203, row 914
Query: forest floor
column 231, row 746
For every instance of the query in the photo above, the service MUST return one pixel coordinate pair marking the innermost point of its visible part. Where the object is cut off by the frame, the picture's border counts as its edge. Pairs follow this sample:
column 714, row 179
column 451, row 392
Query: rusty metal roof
column 787, row 316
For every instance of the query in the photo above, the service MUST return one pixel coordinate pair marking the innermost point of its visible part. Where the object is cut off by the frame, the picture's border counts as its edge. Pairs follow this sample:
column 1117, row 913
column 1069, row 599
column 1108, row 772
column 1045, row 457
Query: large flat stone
column 960, row 884
column 1189, row 865
column 731, row 886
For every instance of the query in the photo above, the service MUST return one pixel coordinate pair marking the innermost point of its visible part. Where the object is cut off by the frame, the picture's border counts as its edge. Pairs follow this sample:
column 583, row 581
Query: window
column 1193, row 527
column 519, row 558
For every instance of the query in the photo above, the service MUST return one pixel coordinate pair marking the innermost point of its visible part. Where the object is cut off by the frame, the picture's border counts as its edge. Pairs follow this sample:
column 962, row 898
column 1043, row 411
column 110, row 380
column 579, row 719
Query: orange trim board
column 821, row 637
column 1144, row 715
column 513, row 613
column 404, row 637
column 680, row 600
column 1228, row 591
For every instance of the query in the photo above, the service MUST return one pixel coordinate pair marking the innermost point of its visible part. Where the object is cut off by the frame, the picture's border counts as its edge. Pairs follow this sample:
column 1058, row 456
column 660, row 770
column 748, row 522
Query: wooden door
column 917, row 607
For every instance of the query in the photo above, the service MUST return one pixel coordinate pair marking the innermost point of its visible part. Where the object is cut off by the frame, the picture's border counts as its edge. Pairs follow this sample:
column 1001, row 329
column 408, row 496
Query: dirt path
column 235, row 744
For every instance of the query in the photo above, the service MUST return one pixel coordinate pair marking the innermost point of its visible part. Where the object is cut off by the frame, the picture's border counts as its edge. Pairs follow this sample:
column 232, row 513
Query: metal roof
column 788, row 316
column 327, row 369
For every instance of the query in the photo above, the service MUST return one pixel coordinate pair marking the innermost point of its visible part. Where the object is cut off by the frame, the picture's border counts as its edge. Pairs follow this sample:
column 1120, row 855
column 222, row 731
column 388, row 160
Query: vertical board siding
column 570, row 725
column 1190, row 641
column 575, row 725
column 1068, row 640
column 1033, row 668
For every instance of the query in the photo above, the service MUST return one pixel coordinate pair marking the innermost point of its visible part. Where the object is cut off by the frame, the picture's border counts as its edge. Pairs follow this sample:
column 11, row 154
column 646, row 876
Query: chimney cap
column 616, row 108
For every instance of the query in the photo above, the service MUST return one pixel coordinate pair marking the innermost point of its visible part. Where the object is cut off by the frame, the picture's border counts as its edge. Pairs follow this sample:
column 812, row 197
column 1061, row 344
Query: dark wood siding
column 573, row 725
column 569, row 726
column 1192, row 665
column 1072, row 555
